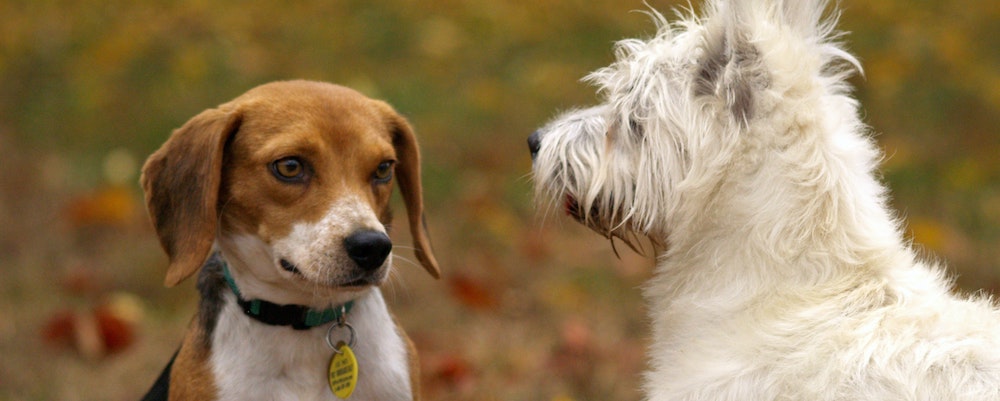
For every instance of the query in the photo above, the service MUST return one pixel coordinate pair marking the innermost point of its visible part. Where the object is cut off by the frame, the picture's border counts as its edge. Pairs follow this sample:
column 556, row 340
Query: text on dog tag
column 343, row 376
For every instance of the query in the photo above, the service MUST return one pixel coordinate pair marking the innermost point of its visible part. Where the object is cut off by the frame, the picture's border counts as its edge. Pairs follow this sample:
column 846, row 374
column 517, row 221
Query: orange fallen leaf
column 109, row 206
column 449, row 371
column 453, row 369
column 472, row 293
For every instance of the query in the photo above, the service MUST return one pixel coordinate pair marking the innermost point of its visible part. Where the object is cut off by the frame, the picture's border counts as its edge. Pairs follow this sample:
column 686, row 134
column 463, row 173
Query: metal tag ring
column 329, row 332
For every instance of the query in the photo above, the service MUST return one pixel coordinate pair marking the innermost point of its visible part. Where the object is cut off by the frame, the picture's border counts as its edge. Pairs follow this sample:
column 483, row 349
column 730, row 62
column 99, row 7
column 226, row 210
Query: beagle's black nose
column 368, row 248
column 534, row 143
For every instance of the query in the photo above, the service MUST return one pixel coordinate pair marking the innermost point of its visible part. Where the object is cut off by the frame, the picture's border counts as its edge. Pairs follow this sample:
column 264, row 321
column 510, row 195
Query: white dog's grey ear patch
column 635, row 128
column 730, row 71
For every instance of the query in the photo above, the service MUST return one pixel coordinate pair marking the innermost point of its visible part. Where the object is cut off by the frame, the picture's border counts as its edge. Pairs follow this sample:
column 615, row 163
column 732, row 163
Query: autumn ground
column 531, row 306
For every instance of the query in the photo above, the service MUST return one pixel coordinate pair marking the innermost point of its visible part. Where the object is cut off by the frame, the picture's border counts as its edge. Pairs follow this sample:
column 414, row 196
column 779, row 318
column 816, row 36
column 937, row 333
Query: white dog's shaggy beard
column 731, row 141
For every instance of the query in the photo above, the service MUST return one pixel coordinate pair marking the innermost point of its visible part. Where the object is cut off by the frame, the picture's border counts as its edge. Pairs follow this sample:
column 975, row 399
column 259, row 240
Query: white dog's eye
column 384, row 172
column 289, row 169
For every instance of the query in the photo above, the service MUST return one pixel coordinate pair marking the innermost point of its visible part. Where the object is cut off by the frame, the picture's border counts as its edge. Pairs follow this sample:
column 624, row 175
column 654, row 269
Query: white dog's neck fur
column 731, row 141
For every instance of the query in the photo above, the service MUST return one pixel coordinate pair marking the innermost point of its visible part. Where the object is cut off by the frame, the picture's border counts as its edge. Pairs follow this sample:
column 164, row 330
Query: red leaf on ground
column 448, row 372
column 106, row 330
column 116, row 332
column 472, row 293
column 58, row 330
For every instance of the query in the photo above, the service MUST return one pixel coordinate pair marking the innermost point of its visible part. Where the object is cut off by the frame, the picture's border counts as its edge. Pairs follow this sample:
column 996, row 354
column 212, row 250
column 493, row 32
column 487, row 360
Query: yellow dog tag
column 343, row 375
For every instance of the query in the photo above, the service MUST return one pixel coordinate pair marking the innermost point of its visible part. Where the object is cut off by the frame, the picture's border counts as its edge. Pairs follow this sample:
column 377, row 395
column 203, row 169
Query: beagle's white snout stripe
column 318, row 252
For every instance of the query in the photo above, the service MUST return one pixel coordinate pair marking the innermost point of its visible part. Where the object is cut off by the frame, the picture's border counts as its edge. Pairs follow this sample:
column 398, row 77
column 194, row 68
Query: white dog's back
column 731, row 141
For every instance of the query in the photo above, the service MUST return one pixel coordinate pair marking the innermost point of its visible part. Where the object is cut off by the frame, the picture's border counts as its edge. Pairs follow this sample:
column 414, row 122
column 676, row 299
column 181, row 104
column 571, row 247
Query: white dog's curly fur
column 731, row 141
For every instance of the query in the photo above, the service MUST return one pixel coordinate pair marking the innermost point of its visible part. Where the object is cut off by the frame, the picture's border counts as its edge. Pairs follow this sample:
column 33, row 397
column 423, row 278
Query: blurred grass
column 88, row 89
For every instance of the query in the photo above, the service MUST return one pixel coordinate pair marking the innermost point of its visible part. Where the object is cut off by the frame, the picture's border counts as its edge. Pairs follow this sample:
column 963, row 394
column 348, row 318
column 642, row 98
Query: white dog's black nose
column 534, row 143
column 368, row 248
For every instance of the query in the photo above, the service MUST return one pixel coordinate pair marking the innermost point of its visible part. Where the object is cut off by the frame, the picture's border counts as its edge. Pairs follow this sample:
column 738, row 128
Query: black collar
column 298, row 316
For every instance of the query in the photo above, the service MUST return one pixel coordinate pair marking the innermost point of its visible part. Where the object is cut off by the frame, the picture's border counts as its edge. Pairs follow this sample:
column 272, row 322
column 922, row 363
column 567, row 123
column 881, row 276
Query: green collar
column 298, row 316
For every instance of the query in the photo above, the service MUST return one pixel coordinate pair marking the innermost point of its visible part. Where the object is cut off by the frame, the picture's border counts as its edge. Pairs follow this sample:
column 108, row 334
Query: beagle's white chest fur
column 254, row 361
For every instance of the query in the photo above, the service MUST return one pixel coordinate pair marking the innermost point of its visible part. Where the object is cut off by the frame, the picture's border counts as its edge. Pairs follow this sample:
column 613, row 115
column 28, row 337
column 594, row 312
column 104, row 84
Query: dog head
column 680, row 110
column 292, row 180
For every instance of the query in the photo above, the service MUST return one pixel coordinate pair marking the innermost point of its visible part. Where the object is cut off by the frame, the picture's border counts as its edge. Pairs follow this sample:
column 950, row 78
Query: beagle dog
column 280, row 198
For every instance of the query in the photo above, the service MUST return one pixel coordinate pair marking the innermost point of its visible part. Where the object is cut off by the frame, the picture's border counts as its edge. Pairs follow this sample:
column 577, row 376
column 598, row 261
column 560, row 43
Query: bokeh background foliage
column 531, row 306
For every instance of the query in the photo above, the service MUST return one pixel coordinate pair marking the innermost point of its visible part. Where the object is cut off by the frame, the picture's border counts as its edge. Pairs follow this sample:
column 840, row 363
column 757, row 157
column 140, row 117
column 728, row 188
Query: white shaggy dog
column 731, row 141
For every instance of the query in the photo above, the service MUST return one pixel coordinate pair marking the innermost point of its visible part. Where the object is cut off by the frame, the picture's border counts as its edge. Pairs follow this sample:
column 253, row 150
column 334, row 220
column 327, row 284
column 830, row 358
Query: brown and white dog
column 283, row 196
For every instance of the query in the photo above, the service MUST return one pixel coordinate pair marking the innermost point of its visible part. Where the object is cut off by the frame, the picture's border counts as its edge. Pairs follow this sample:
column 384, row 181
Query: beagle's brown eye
column 384, row 172
column 289, row 169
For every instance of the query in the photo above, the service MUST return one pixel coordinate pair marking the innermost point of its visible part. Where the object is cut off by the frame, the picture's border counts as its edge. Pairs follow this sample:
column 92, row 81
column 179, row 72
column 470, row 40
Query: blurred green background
column 527, row 309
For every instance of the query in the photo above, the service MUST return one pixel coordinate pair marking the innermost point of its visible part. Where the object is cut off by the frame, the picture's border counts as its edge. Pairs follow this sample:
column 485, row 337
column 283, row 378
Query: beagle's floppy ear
column 181, row 181
column 408, row 174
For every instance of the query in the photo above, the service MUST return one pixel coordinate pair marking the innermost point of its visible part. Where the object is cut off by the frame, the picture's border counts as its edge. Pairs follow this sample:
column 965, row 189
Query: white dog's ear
column 730, row 69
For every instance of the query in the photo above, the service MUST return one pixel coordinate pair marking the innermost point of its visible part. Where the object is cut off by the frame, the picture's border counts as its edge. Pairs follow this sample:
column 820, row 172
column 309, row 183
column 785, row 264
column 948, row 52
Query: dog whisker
column 394, row 285
column 525, row 178
column 614, row 249
column 404, row 259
